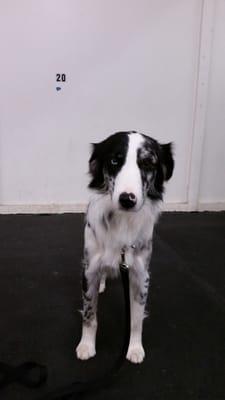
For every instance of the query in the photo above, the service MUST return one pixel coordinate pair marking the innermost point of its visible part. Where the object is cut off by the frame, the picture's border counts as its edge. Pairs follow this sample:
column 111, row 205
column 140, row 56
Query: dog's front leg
column 86, row 347
column 139, row 282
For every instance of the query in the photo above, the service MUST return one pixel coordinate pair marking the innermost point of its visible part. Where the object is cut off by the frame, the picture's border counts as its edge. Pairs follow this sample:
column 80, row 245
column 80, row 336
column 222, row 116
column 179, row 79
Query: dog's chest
column 113, row 230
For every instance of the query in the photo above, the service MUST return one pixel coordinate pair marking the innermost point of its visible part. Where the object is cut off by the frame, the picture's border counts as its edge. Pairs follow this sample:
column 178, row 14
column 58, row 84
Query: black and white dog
column 128, row 171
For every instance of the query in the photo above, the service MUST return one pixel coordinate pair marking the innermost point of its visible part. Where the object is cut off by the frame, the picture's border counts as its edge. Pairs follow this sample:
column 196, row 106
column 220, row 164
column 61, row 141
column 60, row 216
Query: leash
column 29, row 374
column 21, row 373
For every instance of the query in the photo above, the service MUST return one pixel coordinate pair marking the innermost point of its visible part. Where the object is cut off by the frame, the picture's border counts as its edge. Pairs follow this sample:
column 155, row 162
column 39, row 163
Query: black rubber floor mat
column 40, row 293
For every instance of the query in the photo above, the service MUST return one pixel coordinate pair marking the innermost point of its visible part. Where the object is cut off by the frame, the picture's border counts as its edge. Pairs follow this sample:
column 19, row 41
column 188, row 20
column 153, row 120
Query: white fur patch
column 129, row 178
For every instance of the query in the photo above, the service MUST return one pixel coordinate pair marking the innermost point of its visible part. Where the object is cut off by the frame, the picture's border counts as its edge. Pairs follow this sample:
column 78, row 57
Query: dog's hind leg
column 91, row 282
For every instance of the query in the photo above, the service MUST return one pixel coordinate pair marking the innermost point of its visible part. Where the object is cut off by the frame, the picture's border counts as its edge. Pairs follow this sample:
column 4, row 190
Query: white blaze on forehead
column 129, row 178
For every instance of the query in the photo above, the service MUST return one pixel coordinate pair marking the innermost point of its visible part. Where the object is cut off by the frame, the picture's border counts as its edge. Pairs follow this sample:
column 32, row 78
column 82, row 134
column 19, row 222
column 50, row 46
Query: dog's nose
column 127, row 200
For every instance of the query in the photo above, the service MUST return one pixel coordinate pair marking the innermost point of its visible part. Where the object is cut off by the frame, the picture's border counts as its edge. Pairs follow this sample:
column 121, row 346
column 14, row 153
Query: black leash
column 29, row 374
column 77, row 388
column 22, row 373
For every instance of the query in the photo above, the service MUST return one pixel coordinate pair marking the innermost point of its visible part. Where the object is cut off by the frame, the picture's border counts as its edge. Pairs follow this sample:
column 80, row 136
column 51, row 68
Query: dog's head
column 130, row 167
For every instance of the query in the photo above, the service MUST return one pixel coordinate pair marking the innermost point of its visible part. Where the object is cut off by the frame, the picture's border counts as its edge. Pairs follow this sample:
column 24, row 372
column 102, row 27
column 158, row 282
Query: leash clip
column 124, row 266
column 123, row 263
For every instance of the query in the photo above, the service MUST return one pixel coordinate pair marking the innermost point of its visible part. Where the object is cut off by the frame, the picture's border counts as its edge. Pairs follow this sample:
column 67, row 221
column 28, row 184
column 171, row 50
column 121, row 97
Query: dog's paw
column 85, row 351
column 136, row 353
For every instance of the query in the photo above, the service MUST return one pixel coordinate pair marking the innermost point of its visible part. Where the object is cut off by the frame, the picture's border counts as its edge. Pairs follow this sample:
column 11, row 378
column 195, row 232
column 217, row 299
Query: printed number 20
column 60, row 77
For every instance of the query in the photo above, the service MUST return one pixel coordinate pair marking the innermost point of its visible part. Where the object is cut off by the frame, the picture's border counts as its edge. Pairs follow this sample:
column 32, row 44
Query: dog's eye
column 114, row 161
column 146, row 163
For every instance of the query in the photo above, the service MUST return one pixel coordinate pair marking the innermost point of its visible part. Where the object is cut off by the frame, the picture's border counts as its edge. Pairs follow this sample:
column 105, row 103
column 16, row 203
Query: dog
column 128, row 171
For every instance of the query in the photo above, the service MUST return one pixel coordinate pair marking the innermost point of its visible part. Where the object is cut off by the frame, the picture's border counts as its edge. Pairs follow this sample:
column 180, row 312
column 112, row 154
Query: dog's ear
column 96, row 168
column 167, row 160
column 93, row 162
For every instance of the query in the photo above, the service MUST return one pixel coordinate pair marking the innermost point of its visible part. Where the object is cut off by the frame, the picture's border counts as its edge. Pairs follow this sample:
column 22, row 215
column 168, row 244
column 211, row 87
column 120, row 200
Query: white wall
column 212, row 187
column 129, row 64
